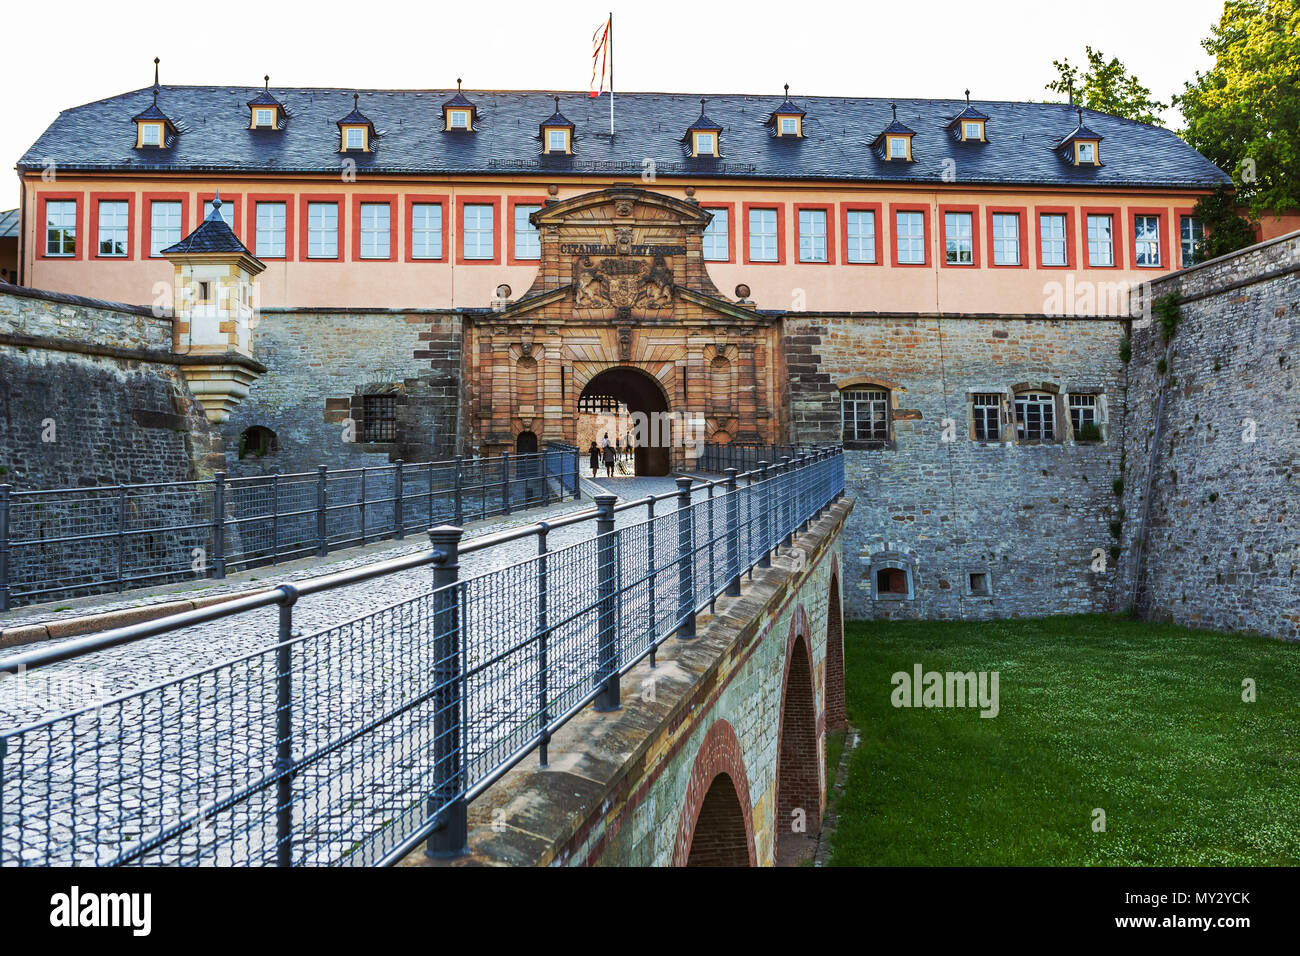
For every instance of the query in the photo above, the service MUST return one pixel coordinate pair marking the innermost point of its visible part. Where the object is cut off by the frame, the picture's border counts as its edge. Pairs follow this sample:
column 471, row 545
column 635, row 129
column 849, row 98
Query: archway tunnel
column 646, row 421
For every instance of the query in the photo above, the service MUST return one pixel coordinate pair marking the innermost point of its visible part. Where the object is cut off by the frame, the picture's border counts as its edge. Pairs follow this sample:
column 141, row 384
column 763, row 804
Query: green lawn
column 1144, row 721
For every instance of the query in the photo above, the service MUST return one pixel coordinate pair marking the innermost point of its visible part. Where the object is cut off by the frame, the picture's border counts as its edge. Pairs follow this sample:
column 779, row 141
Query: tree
column 1226, row 230
column 1108, row 87
column 1244, row 114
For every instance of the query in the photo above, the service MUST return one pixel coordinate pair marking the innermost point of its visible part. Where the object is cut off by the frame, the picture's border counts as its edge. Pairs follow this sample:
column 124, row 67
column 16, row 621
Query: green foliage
column 1214, row 496
column 1168, row 310
column 1142, row 719
column 1115, row 552
column 1108, row 87
column 1161, row 365
column 1090, row 431
column 1244, row 114
column 1226, row 230
column 1117, row 486
column 1126, row 350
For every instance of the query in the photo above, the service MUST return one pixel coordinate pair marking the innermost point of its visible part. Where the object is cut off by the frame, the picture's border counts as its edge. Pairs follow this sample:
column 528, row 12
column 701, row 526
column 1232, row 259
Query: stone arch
column 836, row 718
column 716, row 801
column 642, row 393
column 798, row 770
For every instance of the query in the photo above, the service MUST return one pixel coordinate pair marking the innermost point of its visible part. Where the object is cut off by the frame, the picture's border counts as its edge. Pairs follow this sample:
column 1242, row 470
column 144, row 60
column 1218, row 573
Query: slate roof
column 8, row 224
column 213, row 235
column 838, row 132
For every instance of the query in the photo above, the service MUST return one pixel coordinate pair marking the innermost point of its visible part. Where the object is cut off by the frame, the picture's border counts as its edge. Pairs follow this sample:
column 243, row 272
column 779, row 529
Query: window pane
column 717, row 245
column 865, row 414
column 812, row 235
column 114, row 227
column 1035, row 416
column 528, row 241
column 322, row 230
column 270, row 229
column 861, row 235
column 426, row 230
column 1006, row 239
column 1051, row 229
column 164, row 225
column 959, row 245
column 375, row 241
column 986, row 416
column 1100, row 243
column 1083, row 413
column 61, row 227
column 762, row 235
column 478, row 231
column 1146, row 230
column 910, row 230
column 1191, row 233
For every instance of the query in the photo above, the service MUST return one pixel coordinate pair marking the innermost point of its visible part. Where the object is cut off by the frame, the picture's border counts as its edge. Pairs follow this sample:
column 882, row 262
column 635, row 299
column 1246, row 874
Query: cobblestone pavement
column 137, row 761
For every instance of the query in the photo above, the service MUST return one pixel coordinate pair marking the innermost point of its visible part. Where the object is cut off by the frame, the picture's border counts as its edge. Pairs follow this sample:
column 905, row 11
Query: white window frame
column 458, row 119
column 557, row 141
column 705, row 144
column 117, row 226
column 1098, row 242
column 860, row 244
column 1087, row 153
column 959, row 238
column 874, row 425
column 1053, row 245
column 1031, row 426
column 717, row 236
column 1190, row 231
column 376, row 230
column 910, row 247
column 1088, row 409
column 349, row 143
column 151, row 134
column 789, row 126
column 66, row 225
column 812, row 243
column 1146, row 241
column 472, row 225
column 263, row 116
column 271, row 235
column 424, row 233
column 322, row 230
column 528, row 239
column 1006, row 246
column 163, row 232
column 898, row 147
column 986, row 409
column 763, row 244
column 971, row 130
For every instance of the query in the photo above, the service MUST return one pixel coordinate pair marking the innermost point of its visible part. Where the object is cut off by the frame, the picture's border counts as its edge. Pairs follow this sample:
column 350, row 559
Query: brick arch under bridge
column 713, row 747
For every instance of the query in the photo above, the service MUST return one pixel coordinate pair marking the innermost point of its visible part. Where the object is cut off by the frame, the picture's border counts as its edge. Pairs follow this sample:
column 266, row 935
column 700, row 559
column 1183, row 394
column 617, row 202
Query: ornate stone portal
column 622, row 285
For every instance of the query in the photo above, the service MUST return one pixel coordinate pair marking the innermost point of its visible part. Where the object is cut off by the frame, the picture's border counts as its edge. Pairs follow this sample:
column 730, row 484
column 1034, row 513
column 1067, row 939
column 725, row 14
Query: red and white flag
column 599, row 57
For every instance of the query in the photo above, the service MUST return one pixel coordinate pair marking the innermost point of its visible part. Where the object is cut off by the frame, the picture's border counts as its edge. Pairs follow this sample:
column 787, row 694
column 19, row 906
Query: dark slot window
column 381, row 418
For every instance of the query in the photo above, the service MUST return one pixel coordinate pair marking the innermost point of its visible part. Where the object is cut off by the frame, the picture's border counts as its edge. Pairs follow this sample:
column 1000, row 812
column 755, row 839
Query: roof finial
column 268, row 82
column 458, row 84
column 894, row 107
column 156, row 61
column 968, row 96
column 787, row 91
column 557, row 104
column 1071, row 89
column 1080, row 112
column 701, row 106
column 355, row 97
column 216, row 201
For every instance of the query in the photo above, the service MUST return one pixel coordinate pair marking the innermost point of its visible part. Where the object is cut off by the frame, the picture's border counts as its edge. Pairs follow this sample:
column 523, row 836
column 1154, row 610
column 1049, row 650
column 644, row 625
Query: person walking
column 609, row 460
column 593, row 453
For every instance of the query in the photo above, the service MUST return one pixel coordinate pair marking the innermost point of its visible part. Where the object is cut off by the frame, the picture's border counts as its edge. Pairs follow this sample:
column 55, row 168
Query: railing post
column 787, row 501
column 448, row 799
column 364, row 502
column 397, row 500
column 733, row 533
column 765, row 525
column 650, row 576
column 505, row 481
column 576, row 459
column 749, row 520
column 712, row 537
column 607, row 620
column 685, row 561
column 275, row 517
column 543, row 632
column 5, row 492
column 219, row 525
column 284, row 730
column 460, row 490
column 429, row 495
column 322, row 512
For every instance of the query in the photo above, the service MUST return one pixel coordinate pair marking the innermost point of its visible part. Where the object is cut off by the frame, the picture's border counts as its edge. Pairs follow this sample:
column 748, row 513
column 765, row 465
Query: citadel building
column 941, row 285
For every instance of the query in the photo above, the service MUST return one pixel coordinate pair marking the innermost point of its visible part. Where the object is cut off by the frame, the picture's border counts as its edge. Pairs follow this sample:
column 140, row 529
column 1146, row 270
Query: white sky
column 84, row 50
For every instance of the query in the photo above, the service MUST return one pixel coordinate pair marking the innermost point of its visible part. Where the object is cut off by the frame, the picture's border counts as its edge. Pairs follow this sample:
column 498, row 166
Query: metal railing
column 87, row 540
column 353, row 744
column 717, row 458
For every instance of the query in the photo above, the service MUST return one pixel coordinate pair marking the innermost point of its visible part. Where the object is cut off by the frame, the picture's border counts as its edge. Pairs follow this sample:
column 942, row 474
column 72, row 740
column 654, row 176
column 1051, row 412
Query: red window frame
column 926, row 232
column 974, row 236
column 1176, row 235
column 873, row 207
column 131, row 242
column 731, row 231
column 227, row 199
column 497, row 230
column 79, row 223
column 252, row 200
column 829, row 210
column 146, row 218
column 1165, row 253
column 394, row 225
column 779, row 208
column 511, row 203
column 1071, row 257
column 304, row 207
column 1117, row 226
column 413, row 200
column 1022, row 232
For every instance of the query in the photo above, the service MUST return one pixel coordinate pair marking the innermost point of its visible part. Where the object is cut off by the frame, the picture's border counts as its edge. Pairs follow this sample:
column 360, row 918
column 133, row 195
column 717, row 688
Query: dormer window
column 972, row 131
column 968, row 125
column 894, row 144
column 152, row 127
column 265, row 109
column 1082, row 147
column 458, row 113
column 703, row 137
column 151, row 134
column 263, row 117
column 1085, row 153
column 556, row 133
column 899, row 147
column 356, row 132
column 786, row 121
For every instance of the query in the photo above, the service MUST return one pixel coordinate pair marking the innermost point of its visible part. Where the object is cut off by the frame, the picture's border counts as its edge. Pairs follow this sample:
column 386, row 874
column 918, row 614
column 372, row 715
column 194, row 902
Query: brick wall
column 321, row 363
column 1030, row 516
column 1221, row 544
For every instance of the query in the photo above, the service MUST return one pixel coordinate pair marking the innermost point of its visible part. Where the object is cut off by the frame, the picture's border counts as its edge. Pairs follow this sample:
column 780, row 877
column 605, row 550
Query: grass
column 1144, row 721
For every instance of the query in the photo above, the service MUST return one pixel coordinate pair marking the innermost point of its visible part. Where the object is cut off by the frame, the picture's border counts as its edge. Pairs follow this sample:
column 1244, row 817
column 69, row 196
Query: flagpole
column 611, row 74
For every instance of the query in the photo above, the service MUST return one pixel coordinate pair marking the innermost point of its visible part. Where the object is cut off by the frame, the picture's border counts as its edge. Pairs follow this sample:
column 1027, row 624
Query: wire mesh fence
column 352, row 744
column 69, row 542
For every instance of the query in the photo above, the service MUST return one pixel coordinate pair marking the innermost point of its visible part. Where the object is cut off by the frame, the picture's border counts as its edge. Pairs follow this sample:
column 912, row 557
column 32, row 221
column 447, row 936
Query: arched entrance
column 719, row 838
column 716, row 827
column 798, row 779
column 836, row 718
column 645, row 400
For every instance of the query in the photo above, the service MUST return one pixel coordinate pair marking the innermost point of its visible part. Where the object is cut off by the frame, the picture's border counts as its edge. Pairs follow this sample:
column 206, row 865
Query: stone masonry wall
column 321, row 363
column 1222, row 545
column 89, row 396
column 1030, row 516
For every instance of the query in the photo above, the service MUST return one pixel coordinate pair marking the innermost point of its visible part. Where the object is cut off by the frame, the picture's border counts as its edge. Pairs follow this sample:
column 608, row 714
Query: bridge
column 482, row 715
